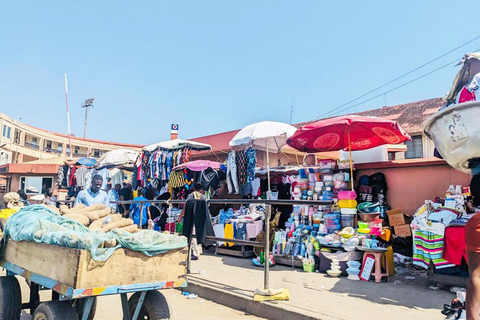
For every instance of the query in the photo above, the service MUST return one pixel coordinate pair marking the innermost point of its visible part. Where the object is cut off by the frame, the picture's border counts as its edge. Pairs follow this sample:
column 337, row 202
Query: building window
column 77, row 150
column 17, row 136
column 96, row 153
column 414, row 148
column 60, row 147
column 6, row 131
column 49, row 144
column 35, row 185
column 35, row 140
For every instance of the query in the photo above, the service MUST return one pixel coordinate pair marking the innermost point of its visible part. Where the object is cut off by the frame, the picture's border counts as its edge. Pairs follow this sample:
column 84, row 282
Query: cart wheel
column 154, row 307
column 10, row 298
column 55, row 310
column 80, row 303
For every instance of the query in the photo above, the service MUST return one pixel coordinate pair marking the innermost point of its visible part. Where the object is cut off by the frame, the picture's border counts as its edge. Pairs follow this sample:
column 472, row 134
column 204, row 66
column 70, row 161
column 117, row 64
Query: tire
column 80, row 303
column 154, row 307
column 55, row 310
column 10, row 298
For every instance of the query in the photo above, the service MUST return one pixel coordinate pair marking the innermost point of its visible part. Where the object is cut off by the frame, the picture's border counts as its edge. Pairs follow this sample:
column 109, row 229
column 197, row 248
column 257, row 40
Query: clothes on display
column 241, row 172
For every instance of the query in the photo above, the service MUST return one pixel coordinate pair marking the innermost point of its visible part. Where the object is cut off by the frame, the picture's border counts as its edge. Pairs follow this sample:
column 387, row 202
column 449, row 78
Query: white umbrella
column 177, row 144
column 268, row 136
column 119, row 157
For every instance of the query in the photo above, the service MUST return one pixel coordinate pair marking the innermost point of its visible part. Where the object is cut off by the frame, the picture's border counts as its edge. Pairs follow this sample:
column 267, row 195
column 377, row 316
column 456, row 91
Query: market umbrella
column 119, row 157
column 177, row 144
column 88, row 162
column 199, row 165
column 268, row 136
column 350, row 133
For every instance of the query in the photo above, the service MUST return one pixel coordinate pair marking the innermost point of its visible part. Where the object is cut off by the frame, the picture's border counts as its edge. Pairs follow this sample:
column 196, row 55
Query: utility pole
column 86, row 104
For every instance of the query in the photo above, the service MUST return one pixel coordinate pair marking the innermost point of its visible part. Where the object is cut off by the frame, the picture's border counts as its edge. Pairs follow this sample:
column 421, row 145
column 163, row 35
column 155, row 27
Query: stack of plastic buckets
column 348, row 207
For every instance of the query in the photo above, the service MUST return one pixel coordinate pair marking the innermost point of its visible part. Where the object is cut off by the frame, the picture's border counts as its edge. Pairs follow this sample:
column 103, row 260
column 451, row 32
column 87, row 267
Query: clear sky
column 215, row 66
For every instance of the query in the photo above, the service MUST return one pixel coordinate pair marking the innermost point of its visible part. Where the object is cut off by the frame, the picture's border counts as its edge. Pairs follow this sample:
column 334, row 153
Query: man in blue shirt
column 113, row 195
column 93, row 195
column 135, row 207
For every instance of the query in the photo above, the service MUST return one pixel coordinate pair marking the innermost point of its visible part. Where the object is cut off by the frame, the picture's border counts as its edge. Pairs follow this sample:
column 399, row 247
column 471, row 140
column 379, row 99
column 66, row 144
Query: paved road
column 109, row 307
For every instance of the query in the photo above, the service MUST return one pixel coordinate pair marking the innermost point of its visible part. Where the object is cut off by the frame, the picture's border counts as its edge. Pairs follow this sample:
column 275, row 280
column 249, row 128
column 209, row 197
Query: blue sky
column 215, row 66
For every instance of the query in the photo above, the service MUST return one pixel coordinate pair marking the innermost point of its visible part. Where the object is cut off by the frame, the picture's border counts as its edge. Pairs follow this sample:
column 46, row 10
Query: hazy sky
column 215, row 66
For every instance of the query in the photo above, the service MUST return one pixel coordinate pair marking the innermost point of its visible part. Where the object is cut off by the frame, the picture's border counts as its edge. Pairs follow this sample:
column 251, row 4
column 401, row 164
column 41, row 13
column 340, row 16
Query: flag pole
column 68, row 118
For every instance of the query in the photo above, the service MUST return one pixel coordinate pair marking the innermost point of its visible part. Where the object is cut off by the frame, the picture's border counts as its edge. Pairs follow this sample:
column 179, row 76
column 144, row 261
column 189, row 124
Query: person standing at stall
column 125, row 195
column 113, row 195
column 93, row 195
column 135, row 210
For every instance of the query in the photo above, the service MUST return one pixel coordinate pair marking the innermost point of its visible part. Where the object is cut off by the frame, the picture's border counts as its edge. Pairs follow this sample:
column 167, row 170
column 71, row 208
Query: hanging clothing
column 209, row 179
column 104, row 173
column 256, row 187
column 429, row 248
column 219, row 232
column 251, row 163
column 80, row 175
column 455, row 249
column 241, row 158
column 232, row 177
column 197, row 215
column 116, row 176
column 229, row 234
column 177, row 179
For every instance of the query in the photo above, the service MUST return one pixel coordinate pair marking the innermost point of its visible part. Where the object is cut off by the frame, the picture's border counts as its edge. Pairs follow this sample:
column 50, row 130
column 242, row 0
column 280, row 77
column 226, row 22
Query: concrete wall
column 411, row 182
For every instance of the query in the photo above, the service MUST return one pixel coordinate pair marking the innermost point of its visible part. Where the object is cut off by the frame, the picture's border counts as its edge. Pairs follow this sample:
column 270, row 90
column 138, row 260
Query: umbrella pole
column 266, row 249
column 351, row 163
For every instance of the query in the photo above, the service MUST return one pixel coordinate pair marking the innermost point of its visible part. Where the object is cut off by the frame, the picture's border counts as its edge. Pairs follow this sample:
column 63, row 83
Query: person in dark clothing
column 125, row 195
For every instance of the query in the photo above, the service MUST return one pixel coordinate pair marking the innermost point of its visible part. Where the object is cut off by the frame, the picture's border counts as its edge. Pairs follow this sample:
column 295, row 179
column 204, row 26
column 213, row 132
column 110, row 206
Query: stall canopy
column 265, row 136
column 199, row 165
column 117, row 158
column 348, row 133
column 88, row 162
column 177, row 144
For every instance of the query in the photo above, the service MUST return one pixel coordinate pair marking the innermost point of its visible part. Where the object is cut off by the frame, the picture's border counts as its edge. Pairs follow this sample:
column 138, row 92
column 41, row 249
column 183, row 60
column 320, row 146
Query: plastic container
column 347, row 203
column 327, row 164
column 342, row 165
column 347, row 195
column 308, row 267
column 348, row 210
column 348, row 220
column 369, row 216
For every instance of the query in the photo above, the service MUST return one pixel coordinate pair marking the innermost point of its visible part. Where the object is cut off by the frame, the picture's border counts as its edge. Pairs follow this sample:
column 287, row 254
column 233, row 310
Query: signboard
column 174, row 127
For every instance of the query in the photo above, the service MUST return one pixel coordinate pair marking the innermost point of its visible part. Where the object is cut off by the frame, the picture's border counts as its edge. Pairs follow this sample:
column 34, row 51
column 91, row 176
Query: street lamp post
column 86, row 104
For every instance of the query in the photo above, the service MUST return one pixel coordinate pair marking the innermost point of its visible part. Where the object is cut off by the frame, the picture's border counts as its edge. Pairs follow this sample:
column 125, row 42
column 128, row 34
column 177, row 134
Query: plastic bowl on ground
column 353, row 271
column 353, row 264
column 334, row 274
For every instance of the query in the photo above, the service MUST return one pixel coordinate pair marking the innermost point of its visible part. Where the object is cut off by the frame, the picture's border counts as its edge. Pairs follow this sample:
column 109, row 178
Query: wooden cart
column 76, row 280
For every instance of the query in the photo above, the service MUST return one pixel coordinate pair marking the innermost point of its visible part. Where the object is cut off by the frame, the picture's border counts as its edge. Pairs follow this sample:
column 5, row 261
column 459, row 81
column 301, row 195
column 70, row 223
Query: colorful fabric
column 251, row 163
column 229, row 233
column 429, row 248
column 455, row 250
column 241, row 158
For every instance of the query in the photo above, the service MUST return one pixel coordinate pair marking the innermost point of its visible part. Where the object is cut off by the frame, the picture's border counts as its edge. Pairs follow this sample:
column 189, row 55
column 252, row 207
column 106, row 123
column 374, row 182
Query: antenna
column 86, row 104
column 68, row 118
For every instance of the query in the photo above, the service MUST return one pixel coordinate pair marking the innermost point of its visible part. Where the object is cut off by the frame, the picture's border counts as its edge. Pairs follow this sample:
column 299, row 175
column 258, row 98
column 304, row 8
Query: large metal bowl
column 455, row 131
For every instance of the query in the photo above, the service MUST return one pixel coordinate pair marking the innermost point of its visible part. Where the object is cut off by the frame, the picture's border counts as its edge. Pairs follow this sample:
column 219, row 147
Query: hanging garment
column 455, row 249
column 256, row 187
column 177, row 179
column 116, row 176
column 251, row 163
column 229, row 233
column 104, row 173
column 224, row 215
column 240, row 231
column 72, row 180
column 254, row 229
column 232, row 176
column 209, row 179
column 197, row 215
column 60, row 176
column 80, row 174
column 241, row 158
column 219, row 233
column 429, row 248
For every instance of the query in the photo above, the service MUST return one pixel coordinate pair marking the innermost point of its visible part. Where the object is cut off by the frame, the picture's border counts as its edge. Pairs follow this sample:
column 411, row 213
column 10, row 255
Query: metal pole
column 141, row 216
column 351, row 163
column 68, row 117
column 266, row 262
column 85, row 125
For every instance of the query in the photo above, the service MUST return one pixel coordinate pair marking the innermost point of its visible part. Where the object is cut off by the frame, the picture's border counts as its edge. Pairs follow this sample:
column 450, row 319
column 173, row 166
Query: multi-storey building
column 20, row 143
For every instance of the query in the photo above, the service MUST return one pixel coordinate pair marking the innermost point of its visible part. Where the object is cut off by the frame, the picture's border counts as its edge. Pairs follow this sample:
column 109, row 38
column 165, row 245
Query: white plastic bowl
column 334, row 274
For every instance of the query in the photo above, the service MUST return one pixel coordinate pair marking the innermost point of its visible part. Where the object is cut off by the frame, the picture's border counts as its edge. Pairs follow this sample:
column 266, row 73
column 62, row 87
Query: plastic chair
column 378, row 265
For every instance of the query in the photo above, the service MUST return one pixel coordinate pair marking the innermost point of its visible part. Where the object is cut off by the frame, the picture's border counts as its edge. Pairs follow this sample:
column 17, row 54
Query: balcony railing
column 31, row 146
column 52, row 150
column 80, row 155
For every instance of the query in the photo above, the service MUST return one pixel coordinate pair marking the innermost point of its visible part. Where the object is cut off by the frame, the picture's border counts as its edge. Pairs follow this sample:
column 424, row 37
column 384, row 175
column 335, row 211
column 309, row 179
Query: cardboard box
column 402, row 231
column 396, row 217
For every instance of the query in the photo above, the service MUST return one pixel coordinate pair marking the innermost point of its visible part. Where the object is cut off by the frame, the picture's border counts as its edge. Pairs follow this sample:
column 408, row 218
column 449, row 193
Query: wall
column 411, row 182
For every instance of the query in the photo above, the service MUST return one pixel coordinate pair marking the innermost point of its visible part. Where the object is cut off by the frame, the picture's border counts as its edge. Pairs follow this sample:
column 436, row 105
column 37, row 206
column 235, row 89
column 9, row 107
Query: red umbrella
column 347, row 133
